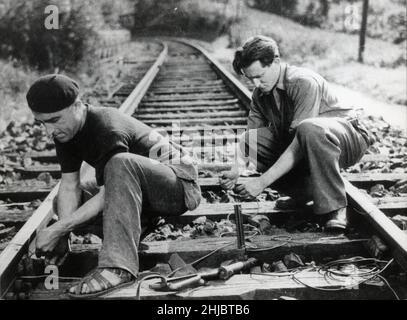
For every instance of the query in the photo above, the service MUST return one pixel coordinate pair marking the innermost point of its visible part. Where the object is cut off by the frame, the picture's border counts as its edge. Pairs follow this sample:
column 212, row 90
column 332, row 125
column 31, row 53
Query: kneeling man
column 136, row 168
column 299, row 134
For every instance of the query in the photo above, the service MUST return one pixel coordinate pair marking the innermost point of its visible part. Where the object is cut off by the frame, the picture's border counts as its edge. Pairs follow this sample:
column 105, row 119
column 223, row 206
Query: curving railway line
column 188, row 96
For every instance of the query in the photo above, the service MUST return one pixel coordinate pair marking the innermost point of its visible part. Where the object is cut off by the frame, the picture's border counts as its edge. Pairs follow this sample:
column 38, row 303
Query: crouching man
column 136, row 168
column 299, row 135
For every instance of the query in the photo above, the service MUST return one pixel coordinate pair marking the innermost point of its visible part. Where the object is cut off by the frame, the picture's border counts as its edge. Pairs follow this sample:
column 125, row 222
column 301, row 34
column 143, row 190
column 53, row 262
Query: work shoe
column 337, row 220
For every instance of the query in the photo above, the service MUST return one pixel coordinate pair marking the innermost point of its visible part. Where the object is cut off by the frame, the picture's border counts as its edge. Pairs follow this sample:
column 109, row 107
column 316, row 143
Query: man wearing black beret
column 136, row 168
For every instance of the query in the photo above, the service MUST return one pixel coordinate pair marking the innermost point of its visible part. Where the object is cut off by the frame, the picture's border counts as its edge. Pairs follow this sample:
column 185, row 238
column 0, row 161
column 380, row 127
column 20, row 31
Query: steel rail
column 234, row 84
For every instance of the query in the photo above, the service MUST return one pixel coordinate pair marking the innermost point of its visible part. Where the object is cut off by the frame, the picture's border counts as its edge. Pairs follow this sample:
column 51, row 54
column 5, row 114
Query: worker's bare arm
column 83, row 214
column 69, row 194
column 71, row 216
column 69, row 199
column 290, row 157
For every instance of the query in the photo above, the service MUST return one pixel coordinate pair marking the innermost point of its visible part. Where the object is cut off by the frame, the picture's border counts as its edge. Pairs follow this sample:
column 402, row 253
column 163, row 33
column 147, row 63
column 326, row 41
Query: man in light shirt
column 298, row 131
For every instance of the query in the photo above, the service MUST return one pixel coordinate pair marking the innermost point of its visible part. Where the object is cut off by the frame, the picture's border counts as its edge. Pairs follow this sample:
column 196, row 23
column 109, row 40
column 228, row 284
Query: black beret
column 52, row 93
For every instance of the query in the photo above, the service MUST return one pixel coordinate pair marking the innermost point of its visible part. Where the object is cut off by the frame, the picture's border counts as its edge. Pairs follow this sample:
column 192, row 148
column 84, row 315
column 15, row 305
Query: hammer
column 180, row 283
column 225, row 272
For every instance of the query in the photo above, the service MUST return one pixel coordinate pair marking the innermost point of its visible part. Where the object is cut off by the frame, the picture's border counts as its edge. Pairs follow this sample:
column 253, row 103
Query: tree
column 27, row 37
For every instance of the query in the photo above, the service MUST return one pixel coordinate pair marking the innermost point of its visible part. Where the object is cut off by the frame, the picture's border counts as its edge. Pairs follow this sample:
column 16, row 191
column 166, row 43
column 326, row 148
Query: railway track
column 190, row 97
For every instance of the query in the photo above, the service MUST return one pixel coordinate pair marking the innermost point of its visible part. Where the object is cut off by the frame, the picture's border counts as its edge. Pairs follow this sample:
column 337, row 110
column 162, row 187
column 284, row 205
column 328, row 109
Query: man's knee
column 117, row 160
column 309, row 127
column 317, row 133
column 311, row 131
column 123, row 165
column 121, row 160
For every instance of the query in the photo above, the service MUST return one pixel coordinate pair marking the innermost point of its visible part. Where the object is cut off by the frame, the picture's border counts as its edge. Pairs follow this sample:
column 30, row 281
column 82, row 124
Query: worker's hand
column 252, row 189
column 228, row 179
column 51, row 242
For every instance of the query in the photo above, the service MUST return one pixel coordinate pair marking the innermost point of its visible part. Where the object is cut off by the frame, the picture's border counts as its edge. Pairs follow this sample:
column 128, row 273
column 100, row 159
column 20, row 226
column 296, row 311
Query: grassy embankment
column 332, row 54
column 15, row 81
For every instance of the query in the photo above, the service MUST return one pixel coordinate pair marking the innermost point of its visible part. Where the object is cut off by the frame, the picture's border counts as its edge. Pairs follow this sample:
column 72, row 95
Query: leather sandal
column 104, row 283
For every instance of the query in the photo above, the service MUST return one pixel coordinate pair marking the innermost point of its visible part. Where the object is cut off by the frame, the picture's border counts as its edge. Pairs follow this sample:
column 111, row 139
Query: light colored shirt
column 298, row 95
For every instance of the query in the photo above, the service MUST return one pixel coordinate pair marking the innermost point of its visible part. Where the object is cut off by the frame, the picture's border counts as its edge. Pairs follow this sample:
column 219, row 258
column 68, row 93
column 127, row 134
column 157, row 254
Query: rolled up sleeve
column 306, row 95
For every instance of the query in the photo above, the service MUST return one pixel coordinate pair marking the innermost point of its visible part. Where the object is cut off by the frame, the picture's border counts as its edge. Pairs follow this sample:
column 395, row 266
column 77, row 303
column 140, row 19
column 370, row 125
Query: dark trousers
column 327, row 144
column 133, row 184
